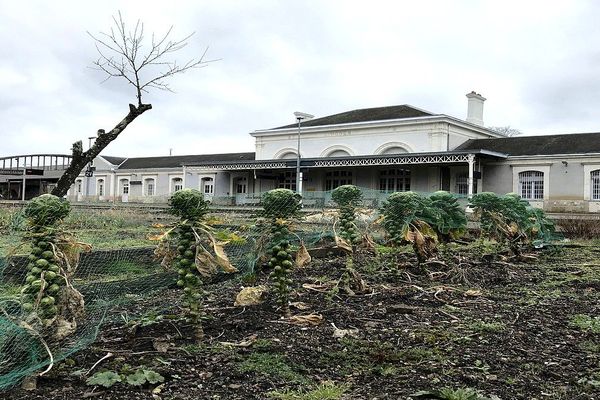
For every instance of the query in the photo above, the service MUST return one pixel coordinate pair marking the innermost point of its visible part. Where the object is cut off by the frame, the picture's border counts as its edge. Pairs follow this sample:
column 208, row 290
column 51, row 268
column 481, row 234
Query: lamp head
column 300, row 116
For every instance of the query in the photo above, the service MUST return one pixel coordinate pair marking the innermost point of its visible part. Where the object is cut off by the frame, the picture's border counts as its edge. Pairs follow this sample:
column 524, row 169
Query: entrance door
column 240, row 187
column 445, row 178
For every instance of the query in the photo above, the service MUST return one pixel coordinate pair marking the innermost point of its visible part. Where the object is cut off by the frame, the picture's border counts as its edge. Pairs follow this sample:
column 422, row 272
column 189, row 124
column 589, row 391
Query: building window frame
column 531, row 185
column 176, row 183
column 149, row 188
column 395, row 180
column 100, row 186
column 337, row 178
column 544, row 168
column 595, row 185
column 207, row 186
column 287, row 180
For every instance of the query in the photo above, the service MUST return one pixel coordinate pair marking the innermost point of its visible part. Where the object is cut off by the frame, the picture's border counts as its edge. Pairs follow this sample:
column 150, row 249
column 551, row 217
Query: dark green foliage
column 408, row 218
column 347, row 198
column 281, row 261
column 446, row 216
column 188, row 204
column 347, row 195
column 46, row 210
column 185, row 264
column 44, row 281
column 511, row 220
column 281, row 203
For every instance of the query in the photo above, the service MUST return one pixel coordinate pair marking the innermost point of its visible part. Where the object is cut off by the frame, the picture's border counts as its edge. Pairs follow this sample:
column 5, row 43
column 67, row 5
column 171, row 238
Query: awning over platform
column 444, row 157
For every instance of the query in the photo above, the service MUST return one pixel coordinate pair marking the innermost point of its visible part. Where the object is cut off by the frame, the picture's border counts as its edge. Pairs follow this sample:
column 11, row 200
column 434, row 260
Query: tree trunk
column 81, row 158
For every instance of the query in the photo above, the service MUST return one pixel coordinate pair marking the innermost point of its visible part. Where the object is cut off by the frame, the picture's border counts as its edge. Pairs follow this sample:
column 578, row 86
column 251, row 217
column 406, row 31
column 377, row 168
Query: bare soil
column 503, row 328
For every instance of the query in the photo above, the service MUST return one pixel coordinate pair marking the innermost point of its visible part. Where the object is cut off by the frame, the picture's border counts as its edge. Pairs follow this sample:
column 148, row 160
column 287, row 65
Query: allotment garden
column 413, row 298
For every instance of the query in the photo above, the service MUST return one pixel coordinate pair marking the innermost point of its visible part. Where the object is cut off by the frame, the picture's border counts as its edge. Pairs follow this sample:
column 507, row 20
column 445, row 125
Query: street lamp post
column 300, row 116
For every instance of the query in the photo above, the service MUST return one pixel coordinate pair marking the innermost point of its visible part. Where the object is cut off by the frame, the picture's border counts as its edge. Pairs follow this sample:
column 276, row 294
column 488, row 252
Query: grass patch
column 487, row 327
column 8, row 291
column 586, row 323
column 324, row 391
column 272, row 365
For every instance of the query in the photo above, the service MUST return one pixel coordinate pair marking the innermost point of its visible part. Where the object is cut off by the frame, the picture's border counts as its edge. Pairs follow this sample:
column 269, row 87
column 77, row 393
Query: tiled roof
column 178, row 161
column 365, row 115
column 574, row 143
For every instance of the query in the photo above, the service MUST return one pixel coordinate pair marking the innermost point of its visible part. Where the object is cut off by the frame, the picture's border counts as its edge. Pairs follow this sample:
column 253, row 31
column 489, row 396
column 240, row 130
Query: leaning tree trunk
column 81, row 158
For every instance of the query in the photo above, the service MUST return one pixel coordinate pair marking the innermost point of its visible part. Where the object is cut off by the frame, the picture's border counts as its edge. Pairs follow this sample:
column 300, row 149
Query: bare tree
column 122, row 55
column 507, row 130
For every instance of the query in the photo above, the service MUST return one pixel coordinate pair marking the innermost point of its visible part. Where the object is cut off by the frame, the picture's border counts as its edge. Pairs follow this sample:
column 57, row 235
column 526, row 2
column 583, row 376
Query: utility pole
column 300, row 116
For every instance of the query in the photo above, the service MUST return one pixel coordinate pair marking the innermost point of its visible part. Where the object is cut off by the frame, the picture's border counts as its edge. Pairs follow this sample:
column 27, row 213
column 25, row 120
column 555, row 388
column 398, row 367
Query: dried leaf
column 222, row 258
column 205, row 262
column 156, row 238
column 473, row 293
column 247, row 342
column 300, row 305
column 368, row 243
column 309, row 319
column 250, row 296
column 342, row 244
column 302, row 256
column 341, row 333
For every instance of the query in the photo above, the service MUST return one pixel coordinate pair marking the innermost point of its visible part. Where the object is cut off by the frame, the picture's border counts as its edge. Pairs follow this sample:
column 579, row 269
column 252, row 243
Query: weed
column 487, row 327
column 324, row 391
column 450, row 394
column 272, row 365
column 586, row 323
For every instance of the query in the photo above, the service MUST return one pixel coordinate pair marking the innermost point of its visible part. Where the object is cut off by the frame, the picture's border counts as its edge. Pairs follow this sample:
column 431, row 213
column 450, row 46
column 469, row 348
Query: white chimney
column 475, row 108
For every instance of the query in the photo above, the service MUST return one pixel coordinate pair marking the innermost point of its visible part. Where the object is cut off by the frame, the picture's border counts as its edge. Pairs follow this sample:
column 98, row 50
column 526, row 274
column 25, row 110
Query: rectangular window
column 335, row 179
column 287, row 180
column 595, row 184
column 394, row 180
column 531, row 185
column 150, row 187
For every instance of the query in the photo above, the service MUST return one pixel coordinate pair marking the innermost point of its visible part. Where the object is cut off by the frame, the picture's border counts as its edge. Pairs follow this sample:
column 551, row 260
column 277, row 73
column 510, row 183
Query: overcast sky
column 537, row 62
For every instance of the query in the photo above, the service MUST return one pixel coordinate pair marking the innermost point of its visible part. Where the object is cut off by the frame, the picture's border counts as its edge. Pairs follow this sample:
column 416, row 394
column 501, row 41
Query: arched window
column 208, row 186
column 395, row 150
column 100, row 187
column 289, row 155
column 338, row 153
column 595, row 184
column 394, row 180
column 149, row 186
column 531, row 185
column 176, row 184
column 124, row 186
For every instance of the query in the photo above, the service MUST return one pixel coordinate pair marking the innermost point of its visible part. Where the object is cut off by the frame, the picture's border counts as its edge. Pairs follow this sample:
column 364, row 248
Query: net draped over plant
column 113, row 257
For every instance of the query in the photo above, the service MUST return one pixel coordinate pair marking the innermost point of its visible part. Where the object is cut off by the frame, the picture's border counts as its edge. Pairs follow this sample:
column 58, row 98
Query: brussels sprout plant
column 279, row 205
column 347, row 198
column 47, row 293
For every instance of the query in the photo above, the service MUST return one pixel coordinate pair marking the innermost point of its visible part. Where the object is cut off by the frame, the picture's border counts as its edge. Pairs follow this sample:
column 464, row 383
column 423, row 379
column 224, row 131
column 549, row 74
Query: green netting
column 134, row 256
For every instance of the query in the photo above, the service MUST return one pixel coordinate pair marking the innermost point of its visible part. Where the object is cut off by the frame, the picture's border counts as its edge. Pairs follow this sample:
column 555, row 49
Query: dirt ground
column 509, row 330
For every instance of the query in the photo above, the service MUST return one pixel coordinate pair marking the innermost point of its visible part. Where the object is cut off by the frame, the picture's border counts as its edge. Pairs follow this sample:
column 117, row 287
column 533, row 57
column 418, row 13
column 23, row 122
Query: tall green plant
column 48, row 298
column 190, row 247
column 408, row 219
column 279, row 205
column 347, row 198
column 511, row 220
column 446, row 215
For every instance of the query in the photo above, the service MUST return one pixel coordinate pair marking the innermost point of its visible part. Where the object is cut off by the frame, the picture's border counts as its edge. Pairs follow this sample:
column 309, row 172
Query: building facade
column 381, row 150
